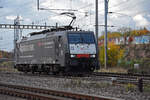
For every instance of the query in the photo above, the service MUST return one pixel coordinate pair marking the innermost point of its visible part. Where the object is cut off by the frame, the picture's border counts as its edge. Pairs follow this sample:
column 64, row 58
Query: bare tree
column 125, row 32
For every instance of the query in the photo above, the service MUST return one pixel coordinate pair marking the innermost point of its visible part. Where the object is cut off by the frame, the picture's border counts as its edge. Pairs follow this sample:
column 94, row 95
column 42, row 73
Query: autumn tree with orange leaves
column 115, row 52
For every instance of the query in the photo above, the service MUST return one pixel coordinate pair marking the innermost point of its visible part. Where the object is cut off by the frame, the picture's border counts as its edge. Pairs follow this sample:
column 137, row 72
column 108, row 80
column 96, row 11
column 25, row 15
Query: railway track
column 146, row 76
column 31, row 93
column 107, row 74
column 102, row 76
column 99, row 76
column 122, row 77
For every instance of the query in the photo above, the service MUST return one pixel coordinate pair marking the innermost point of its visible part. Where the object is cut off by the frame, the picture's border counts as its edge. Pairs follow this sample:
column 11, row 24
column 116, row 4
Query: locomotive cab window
column 74, row 38
column 87, row 38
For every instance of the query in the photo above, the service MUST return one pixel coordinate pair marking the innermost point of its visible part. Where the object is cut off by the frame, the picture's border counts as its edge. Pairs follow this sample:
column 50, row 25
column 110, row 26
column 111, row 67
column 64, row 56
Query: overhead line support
column 105, row 36
column 12, row 26
column 96, row 28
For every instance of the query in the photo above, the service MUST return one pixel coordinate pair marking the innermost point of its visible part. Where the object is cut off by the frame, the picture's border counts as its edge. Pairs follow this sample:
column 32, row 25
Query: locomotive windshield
column 80, row 38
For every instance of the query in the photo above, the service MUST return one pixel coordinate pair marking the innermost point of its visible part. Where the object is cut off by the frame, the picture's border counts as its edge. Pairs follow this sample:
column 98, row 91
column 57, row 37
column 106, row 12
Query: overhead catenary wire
column 132, row 14
column 56, row 14
column 47, row 18
column 113, row 6
column 42, row 20
column 117, row 5
column 131, row 6
column 39, row 21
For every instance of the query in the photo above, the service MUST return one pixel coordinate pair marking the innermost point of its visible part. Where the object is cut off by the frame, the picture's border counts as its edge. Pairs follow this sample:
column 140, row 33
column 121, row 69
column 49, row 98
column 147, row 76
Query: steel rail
column 99, row 76
column 120, row 74
column 38, row 93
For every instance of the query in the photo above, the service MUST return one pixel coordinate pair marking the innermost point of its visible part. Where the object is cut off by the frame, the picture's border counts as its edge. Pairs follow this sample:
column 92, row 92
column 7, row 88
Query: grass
column 147, row 88
column 7, row 67
column 78, row 82
column 130, row 87
column 114, row 70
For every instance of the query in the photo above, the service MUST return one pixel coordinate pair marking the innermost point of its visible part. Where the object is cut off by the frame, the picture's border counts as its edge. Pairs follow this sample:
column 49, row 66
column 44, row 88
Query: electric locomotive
column 57, row 51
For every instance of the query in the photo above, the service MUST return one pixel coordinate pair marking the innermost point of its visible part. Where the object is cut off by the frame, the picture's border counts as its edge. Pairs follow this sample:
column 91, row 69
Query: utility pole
column 96, row 27
column 96, row 20
column 105, row 36
column 38, row 5
column 16, row 36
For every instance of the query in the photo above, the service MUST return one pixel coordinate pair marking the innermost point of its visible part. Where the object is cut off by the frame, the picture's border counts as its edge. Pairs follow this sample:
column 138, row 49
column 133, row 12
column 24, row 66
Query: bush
column 6, row 64
column 128, row 64
column 147, row 88
column 144, row 66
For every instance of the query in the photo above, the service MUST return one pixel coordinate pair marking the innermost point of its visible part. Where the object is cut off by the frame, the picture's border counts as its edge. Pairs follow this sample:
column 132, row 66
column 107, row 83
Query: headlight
column 72, row 56
column 93, row 56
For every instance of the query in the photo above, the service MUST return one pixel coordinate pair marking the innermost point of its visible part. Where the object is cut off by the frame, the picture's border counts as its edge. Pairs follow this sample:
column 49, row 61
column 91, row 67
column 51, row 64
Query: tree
column 115, row 52
column 125, row 32
column 0, row 54
column 140, row 32
column 111, row 35
column 5, row 54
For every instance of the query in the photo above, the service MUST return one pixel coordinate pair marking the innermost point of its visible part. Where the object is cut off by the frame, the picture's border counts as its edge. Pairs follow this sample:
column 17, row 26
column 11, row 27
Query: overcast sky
column 129, row 13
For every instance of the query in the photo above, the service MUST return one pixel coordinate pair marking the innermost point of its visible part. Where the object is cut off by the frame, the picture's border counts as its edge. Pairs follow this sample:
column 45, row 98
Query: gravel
column 76, row 85
column 6, row 97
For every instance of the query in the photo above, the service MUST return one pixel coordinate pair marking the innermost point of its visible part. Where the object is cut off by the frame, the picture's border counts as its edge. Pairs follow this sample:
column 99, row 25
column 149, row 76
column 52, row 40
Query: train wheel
column 92, row 69
column 39, row 72
column 47, row 72
column 25, row 71
column 55, row 73
column 61, row 73
column 32, row 71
